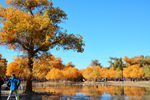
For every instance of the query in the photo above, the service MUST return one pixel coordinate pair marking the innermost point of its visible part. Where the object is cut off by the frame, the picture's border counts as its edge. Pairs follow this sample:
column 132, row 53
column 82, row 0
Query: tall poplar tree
column 32, row 26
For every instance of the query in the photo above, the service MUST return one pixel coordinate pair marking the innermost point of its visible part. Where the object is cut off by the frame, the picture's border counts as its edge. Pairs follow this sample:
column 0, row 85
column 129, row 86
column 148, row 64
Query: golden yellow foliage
column 55, row 74
column 71, row 73
column 68, row 73
column 18, row 67
column 69, row 64
column 33, row 26
column 119, row 74
column 27, row 3
column 92, row 73
column 96, row 73
column 104, row 72
column 44, row 64
column 132, row 61
column 13, row 68
column 111, row 72
column 41, row 66
column 133, row 71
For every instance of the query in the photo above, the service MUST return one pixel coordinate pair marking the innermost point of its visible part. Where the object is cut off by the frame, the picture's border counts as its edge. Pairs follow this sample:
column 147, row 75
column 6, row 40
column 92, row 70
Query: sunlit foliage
column 119, row 73
column 97, row 73
column 112, row 73
column 32, row 26
column 71, row 73
column 104, row 72
column 69, row 64
column 18, row 67
column 132, row 61
column 55, row 74
column 43, row 64
column 13, row 68
column 92, row 73
column 133, row 71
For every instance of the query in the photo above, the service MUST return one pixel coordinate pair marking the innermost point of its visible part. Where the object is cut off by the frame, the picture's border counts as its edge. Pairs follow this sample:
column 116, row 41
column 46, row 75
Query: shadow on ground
column 23, row 97
column 34, row 96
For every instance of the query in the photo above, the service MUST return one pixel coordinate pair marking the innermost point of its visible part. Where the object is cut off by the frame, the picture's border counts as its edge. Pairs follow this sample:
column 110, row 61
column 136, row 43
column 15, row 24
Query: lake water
column 98, row 92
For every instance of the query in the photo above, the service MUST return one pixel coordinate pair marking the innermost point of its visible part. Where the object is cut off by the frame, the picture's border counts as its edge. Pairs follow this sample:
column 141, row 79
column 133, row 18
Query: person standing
column 1, row 83
column 13, row 83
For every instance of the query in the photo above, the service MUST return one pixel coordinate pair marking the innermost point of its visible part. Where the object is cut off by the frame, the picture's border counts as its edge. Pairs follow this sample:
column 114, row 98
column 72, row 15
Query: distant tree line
column 49, row 67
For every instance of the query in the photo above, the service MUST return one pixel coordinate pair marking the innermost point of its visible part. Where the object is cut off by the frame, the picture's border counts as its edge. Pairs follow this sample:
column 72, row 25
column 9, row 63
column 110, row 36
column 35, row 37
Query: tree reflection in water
column 98, row 92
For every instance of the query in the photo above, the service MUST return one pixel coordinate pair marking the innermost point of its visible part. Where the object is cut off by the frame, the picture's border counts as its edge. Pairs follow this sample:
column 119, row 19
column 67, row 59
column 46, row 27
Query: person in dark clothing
column 13, row 83
column 1, row 83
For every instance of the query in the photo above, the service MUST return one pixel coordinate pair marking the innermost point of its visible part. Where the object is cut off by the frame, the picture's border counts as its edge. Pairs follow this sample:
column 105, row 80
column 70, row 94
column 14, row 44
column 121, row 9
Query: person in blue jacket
column 13, row 83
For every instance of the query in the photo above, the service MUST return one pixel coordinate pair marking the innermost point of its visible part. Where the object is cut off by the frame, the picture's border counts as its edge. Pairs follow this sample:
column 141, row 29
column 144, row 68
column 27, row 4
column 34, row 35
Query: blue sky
column 110, row 28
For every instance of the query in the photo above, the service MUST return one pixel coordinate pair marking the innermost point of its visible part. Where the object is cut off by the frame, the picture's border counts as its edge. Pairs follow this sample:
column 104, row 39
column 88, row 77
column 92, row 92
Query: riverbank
column 50, row 89
column 130, row 83
column 114, row 83
column 121, row 83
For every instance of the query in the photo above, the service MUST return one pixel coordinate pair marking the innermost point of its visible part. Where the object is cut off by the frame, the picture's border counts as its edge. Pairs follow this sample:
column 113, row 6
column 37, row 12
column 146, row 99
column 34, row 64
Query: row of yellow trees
column 137, row 67
column 50, row 67
column 46, row 66
column 97, row 73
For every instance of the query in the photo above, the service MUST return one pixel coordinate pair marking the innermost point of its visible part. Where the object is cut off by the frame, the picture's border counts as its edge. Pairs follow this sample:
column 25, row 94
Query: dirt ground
column 23, row 97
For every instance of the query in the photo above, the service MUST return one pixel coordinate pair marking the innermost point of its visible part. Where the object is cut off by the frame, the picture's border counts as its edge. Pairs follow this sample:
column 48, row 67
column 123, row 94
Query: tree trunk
column 122, row 76
column 29, row 78
column 29, row 85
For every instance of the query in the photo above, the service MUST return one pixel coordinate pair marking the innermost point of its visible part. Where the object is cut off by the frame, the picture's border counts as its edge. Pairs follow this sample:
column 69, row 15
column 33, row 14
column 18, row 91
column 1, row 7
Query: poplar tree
column 33, row 26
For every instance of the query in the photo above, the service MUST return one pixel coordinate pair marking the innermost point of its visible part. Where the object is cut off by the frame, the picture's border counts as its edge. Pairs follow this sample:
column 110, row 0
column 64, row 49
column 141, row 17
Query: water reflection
column 99, row 92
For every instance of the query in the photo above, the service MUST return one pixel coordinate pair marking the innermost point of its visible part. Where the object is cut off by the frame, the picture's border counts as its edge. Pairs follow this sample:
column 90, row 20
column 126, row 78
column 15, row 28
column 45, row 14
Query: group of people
column 13, row 83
